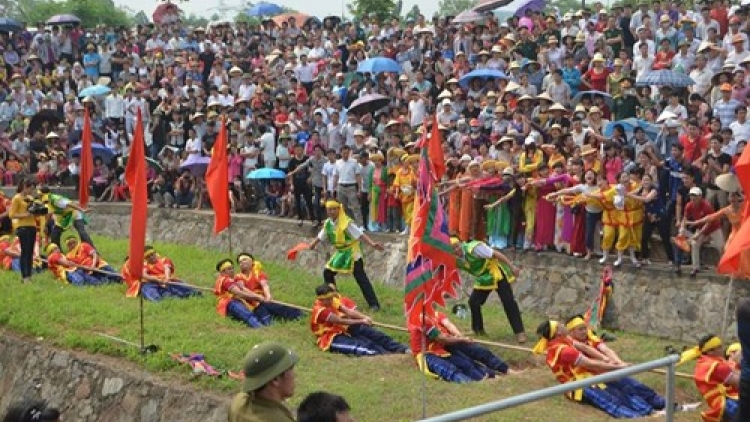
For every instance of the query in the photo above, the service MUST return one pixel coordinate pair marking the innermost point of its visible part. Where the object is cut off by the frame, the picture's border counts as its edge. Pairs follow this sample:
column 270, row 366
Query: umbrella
column 468, row 16
column 518, row 8
column 581, row 94
column 379, row 65
column 665, row 78
column 301, row 18
column 266, row 173
column 9, row 25
column 335, row 20
column 264, row 9
column 166, row 13
column 63, row 20
column 483, row 74
column 629, row 125
column 75, row 136
column 149, row 162
column 50, row 116
column 196, row 165
column 369, row 104
column 490, row 5
column 94, row 91
column 99, row 150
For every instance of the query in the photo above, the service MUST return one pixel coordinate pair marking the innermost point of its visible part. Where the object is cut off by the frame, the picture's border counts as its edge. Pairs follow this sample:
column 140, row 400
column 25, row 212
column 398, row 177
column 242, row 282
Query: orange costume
column 324, row 330
column 404, row 186
column 711, row 373
column 222, row 289
column 5, row 245
column 83, row 254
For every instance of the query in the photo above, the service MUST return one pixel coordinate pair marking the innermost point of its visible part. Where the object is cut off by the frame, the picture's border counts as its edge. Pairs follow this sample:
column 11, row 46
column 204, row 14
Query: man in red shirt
column 699, row 234
column 693, row 143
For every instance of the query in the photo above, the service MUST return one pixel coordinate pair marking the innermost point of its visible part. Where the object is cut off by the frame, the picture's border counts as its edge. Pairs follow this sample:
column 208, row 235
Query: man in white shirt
column 114, row 107
column 268, row 147
column 702, row 76
column 250, row 151
column 329, row 173
column 305, row 73
column 348, row 183
column 335, row 138
column 643, row 39
column 417, row 109
column 740, row 128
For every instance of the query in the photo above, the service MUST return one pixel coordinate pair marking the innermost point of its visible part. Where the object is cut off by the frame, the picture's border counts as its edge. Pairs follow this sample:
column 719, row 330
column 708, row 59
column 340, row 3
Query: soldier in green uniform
column 65, row 214
column 346, row 237
column 269, row 381
column 625, row 105
column 492, row 271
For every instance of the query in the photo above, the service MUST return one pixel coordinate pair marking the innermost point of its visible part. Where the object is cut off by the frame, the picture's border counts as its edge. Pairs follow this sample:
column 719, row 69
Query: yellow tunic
column 405, row 184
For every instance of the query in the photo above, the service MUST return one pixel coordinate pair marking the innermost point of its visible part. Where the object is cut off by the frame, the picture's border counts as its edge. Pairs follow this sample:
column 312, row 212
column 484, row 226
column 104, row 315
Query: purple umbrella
column 196, row 165
column 468, row 16
column 63, row 20
column 369, row 104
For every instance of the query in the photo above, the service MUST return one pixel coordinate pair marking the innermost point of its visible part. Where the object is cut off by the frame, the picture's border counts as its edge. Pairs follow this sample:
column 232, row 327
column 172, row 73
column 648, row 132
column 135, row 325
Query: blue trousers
column 81, row 278
column 636, row 389
column 156, row 292
column 238, row 311
column 479, row 354
column 457, row 368
column 616, row 402
column 267, row 311
column 106, row 278
column 742, row 412
column 365, row 341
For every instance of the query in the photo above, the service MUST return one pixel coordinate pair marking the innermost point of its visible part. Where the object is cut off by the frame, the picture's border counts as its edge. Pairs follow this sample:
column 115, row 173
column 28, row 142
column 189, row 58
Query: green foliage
column 91, row 12
column 383, row 9
column 571, row 5
column 141, row 18
column 413, row 13
column 192, row 20
column 454, row 7
column 379, row 389
column 243, row 17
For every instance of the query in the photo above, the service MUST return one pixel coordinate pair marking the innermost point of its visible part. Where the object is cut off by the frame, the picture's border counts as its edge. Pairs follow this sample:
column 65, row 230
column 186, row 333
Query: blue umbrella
column 264, row 9
column 665, row 78
column 629, row 126
column 483, row 74
column 266, row 173
column 75, row 136
column 9, row 25
column 196, row 165
column 580, row 95
column 94, row 91
column 379, row 65
column 100, row 151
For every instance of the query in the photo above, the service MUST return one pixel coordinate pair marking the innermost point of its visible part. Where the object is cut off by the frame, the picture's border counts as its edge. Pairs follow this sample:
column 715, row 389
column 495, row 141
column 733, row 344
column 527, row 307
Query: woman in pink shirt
column 235, row 163
column 612, row 163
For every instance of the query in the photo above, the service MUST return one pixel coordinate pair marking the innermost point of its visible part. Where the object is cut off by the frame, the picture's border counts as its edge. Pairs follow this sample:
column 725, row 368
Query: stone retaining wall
column 96, row 389
column 649, row 301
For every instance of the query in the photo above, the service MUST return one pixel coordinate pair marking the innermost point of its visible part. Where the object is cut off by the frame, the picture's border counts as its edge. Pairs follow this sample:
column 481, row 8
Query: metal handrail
column 473, row 412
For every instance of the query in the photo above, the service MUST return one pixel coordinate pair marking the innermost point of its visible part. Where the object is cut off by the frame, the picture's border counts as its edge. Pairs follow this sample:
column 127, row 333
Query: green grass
column 379, row 389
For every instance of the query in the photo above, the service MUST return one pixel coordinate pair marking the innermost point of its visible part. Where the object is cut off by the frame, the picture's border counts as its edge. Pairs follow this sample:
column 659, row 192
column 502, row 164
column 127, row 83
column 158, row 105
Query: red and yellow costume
column 5, row 244
column 622, row 218
column 324, row 330
column 222, row 289
column 83, row 254
column 253, row 281
column 58, row 269
column 711, row 372
column 404, row 185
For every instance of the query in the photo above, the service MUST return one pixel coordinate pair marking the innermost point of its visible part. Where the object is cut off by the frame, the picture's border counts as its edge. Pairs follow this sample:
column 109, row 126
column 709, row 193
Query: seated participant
column 84, row 255
column 585, row 341
column 716, row 378
column 234, row 298
column 159, row 279
column 340, row 329
column 10, row 250
column 66, row 271
column 569, row 364
column 254, row 279
column 449, row 355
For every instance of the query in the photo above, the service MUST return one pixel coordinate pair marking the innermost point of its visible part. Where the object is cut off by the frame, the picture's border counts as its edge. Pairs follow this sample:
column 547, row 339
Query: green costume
column 64, row 217
column 487, row 272
column 347, row 247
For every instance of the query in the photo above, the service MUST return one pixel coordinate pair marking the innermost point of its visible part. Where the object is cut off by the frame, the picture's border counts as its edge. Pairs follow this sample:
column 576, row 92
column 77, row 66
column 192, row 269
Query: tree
column 413, row 13
column 454, row 7
column 141, row 18
column 195, row 21
column 90, row 12
column 383, row 9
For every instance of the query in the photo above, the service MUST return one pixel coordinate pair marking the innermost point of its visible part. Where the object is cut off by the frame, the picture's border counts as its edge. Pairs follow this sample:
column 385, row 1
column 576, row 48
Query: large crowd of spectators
column 544, row 130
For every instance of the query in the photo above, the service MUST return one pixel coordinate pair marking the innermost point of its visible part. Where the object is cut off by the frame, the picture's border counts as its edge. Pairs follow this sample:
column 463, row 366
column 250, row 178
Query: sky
column 320, row 8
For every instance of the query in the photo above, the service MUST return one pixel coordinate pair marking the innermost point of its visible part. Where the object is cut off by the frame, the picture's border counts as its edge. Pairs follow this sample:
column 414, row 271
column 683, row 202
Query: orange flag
column 217, row 180
column 87, row 161
column 435, row 150
column 135, row 176
column 737, row 252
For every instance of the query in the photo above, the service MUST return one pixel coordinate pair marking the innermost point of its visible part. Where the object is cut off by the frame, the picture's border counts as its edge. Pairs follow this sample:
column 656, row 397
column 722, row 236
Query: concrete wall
column 649, row 301
column 96, row 389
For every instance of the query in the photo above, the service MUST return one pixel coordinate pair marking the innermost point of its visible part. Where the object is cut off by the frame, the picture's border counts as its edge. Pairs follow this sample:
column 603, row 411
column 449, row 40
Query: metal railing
column 473, row 412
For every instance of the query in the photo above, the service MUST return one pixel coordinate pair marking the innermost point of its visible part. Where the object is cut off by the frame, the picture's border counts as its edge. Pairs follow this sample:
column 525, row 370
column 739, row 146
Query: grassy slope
column 383, row 388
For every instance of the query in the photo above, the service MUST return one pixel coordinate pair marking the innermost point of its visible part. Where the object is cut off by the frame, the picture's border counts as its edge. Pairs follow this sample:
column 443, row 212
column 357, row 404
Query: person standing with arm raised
column 24, row 224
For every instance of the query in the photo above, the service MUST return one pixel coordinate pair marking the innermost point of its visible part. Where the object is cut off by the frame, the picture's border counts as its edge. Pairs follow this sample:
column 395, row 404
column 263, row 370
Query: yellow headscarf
column 543, row 344
column 698, row 351
column 732, row 348
column 578, row 321
column 341, row 223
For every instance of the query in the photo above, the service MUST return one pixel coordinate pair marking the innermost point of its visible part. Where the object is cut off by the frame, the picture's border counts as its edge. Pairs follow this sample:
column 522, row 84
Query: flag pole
column 143, row 330
column 231, row 246
column 724, row 321
column 423, row 339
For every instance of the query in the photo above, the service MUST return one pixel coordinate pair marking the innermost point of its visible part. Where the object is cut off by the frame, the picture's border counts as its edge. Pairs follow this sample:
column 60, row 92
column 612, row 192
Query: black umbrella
column 50, row 116
column 9, row 25
column 369, row 104
column 335, row 20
